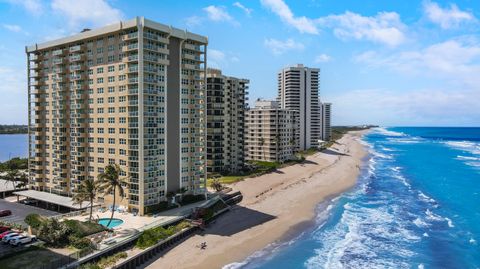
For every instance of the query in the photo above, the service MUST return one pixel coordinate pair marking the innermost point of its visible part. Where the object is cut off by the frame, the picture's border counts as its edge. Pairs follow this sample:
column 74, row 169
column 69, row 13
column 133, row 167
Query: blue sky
column 384, row 62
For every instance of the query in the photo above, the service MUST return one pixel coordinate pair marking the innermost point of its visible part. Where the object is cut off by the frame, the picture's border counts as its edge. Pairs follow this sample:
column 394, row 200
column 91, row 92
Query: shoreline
column 275, row 208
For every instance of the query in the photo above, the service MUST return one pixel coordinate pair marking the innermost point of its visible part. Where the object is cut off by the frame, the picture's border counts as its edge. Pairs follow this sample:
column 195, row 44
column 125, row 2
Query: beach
column 274, row 206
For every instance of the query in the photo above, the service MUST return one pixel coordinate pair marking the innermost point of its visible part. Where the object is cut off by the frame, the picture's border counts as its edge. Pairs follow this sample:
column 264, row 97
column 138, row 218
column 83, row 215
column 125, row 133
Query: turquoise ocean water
column 416, row 205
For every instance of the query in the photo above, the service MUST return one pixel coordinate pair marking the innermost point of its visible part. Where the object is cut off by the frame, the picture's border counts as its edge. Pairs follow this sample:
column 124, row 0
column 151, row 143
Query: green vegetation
column 258, row 168
column 13, row 225
column 14, row 164
column 34, row 220
column 105, row 262
column 152, row 236
column 339, row 131
column 162, row 206
column 86, row 192
column 61, row 234
column 109, row 182
column 81, row 229
column 13, row 129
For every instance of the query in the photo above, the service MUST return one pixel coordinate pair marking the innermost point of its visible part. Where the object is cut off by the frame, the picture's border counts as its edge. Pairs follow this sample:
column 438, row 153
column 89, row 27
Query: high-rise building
column 131, row 93
column 298, row 89
column 226, row 107
column 326, row 128
column 270, row 132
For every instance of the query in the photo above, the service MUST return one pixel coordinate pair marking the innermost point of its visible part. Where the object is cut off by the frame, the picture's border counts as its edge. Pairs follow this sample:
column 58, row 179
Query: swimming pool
column 114, row 223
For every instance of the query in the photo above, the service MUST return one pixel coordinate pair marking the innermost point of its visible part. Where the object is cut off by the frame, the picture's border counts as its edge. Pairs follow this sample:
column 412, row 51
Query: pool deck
column 141, row 223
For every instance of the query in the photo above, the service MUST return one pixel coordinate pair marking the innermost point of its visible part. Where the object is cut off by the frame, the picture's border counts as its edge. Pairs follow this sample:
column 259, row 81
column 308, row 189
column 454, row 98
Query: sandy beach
column 273, row 206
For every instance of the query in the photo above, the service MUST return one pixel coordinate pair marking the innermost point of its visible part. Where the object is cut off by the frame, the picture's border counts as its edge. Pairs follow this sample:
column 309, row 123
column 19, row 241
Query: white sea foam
column 450, row 222
column 468, row 158
column 426, row 198
column 433, row 216
column 388, row 132
column 425, row 235
column 403, row 180
column 472, row 241
column 421, row 266
column 420, row 223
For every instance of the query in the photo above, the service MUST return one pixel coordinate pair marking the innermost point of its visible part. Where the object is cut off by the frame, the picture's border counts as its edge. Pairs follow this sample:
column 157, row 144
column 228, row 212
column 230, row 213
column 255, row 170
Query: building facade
column 326, row 128
column 226, row 106
column 270, row 132
column 131, row 93
column 298, row 89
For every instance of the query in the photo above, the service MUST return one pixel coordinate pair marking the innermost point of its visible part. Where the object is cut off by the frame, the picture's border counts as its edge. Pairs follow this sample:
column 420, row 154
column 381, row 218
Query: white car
column 16, row 241
column 9, row 237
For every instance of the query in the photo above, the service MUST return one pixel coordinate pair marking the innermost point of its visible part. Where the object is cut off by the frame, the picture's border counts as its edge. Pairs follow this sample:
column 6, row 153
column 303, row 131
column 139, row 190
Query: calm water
column 416, row 205
column 15, row 145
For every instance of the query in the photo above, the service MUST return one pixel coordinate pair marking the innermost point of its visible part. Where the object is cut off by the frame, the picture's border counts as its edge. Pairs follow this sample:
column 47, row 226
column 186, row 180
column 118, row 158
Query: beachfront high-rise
column 226, row 97
column 270, row 132
column 298, row 89
column 326, row 128
column 131, row 93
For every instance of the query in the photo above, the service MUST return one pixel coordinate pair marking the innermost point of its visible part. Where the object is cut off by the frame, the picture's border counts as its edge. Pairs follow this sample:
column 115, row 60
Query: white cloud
column 424, row 107
column 12, row 27
column 193, row 21
column 278, row 47
column 219, row 14
column 220, row 59
column 302, row 24
column 92, row 13
column 455, row 60
column 447, row 18
column 323, row 58
column 385, row 27
column 32, row 6
column 247, row 11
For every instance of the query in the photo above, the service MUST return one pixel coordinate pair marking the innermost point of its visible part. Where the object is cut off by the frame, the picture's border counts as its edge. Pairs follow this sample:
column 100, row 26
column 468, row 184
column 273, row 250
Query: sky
column 389, row 62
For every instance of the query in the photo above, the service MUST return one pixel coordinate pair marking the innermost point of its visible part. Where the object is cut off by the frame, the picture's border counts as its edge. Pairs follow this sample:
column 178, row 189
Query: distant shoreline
column 274, row 207
column 13, row 133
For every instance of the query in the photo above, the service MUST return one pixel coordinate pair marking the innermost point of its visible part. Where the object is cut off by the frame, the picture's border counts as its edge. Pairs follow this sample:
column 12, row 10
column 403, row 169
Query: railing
column 72, row 214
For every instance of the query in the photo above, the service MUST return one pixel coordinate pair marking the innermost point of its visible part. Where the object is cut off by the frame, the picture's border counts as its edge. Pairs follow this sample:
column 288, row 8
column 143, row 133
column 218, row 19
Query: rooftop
column 52, row 198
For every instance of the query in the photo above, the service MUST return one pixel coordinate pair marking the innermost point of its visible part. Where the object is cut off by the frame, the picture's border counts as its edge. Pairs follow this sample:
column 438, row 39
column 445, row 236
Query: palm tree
column 216, row 185
column 109, row 181
column 86, row 192
column 16, row 178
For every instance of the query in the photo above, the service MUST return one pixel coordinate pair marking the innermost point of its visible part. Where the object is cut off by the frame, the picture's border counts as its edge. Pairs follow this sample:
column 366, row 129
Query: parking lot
column 20, row 211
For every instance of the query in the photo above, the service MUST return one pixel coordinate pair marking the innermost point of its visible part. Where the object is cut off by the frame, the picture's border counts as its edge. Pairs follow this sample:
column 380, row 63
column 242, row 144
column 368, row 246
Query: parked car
column 2, row 235
column 29, row 201
column 4, row 229
column 16, row 241
column 9, row 237
column 4, row 213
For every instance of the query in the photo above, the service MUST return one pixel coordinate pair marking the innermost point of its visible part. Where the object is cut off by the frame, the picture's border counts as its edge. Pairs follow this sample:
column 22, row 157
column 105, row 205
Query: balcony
column 131, row 58
column 34, row 66
column 190, row 67
column 57, row 61
column 130, row 36
column 75, row 48
column 76, row 58
column 58, row 52
column 130, row 47
column 196, row 48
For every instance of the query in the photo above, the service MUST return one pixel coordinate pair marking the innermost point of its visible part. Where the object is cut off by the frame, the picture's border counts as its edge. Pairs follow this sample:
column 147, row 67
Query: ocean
column 13, row 145
column 416, row 205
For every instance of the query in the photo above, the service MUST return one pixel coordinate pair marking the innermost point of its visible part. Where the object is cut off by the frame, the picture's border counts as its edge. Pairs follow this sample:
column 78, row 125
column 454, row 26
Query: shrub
column 53, row 232
column 110, row 260
column 82, row 229
column 152, row 236
column 79, row 243
column 34, row 220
